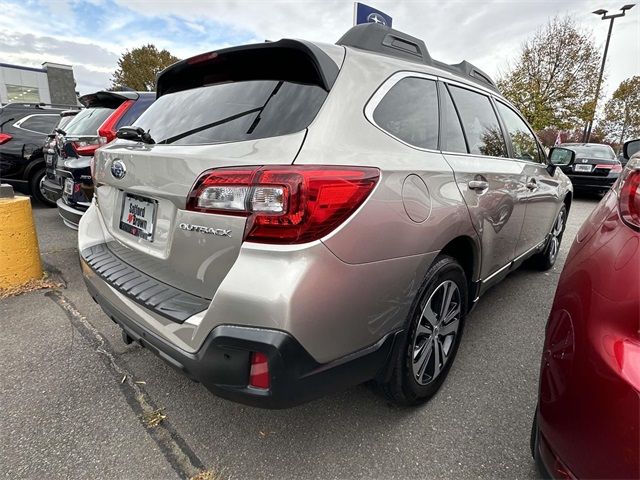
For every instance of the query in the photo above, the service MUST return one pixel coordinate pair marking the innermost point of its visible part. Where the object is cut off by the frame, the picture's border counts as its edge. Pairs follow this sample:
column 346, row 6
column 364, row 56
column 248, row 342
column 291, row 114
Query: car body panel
column 589, row 405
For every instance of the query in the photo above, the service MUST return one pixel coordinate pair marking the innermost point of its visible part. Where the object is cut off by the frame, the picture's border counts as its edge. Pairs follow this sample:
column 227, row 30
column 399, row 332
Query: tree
column 137, row 68
column 553, row 80
column 621, row 119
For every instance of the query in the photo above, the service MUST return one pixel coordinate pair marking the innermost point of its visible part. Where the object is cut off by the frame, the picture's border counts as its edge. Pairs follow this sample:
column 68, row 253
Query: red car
column 587, row 423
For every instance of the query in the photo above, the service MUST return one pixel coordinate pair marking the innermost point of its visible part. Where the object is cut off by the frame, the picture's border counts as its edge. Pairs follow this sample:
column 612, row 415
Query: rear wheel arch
column 465, row 250
column 34, row 165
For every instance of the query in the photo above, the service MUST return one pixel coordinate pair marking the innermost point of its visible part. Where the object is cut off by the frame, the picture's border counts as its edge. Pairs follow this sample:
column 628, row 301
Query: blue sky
column 92, row 34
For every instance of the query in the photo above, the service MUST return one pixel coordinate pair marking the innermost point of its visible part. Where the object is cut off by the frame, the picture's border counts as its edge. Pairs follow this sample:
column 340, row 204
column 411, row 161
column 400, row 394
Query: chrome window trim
column 382, row 90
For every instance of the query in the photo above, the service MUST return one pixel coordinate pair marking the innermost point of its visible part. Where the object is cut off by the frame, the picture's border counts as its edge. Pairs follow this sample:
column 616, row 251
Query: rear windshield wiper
column 60, row 132
column 135, row 133
column 210, row 125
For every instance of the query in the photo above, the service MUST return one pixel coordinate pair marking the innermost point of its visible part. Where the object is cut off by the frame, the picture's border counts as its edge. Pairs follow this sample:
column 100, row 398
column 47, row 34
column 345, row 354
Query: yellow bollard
column 19, row 252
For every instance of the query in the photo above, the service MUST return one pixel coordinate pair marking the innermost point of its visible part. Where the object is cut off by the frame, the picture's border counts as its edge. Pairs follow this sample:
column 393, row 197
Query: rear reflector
column 629, row 198
column 4, row 138
column 259, row 374
column 284, row 204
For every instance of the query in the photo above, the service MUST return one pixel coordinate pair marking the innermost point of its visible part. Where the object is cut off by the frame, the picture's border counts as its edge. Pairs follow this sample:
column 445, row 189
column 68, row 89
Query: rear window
column 232, row 112
column 88, row 121
column 603, row 152
column 39, row 123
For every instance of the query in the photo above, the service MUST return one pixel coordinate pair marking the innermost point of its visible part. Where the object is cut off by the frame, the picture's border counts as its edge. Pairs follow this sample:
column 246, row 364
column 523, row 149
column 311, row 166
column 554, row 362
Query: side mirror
column 630, row 148
column 561, row 156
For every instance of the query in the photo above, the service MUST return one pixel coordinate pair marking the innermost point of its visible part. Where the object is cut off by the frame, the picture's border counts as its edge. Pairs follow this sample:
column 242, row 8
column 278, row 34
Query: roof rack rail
column 378, row 38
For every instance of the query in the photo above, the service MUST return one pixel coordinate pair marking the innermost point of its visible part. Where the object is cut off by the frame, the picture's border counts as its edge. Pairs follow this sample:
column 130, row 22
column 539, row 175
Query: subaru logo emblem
column 376, row 18
column 118, row 170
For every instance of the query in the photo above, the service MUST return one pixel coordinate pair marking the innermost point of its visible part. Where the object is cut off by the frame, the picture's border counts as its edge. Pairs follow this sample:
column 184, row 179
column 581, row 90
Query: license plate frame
column 583, row 168
column 48, row 159
column 133, row 226
column 68, row 186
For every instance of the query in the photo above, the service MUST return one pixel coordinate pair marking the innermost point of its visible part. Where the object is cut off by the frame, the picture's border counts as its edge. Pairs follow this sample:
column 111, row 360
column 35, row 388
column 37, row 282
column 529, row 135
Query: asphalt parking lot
column 75, row 398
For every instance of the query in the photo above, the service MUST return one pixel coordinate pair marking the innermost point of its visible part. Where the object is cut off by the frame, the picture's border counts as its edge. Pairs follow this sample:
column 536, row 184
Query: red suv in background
column 587, row 423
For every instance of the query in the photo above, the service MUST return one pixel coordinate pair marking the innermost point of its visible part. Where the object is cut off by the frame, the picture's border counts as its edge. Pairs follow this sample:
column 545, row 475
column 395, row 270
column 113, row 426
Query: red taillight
column 85, row 148
column 614, row 167
column 284, row 204
column 629, row 198
column 259, row 373
column 4, row 138
column 108, row 128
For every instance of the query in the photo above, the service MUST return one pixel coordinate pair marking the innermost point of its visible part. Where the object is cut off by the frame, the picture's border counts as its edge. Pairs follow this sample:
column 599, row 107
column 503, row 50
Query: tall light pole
column 587, row 129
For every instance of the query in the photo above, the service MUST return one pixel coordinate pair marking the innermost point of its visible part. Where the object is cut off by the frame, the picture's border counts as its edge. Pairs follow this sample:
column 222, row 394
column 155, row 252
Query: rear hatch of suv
column 242, row 107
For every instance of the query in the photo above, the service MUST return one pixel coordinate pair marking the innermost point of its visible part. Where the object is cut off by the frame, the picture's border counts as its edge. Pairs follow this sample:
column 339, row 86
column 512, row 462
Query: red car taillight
column 86, row 148
column 284, row 204
column 259, row 372
column 629, row 198
column 108, row 129
column 615, row 167
column 4, row 138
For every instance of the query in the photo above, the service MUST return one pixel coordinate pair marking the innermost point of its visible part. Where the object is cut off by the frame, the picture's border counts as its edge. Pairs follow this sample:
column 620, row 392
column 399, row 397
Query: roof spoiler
column 106, row 98
column 294, row 60
column 378, row 38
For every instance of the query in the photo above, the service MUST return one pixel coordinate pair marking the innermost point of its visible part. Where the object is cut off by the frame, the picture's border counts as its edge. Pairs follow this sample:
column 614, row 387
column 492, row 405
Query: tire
column 546, row 259
column 35, row 188
column 414, row 379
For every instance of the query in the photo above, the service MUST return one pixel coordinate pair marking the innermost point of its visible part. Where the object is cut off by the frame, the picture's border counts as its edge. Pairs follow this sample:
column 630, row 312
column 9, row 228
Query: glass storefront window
column 19, row 93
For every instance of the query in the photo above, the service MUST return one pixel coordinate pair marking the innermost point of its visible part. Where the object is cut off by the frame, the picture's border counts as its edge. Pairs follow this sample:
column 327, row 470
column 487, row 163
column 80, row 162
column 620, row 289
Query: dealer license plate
column 138, row 216
column 68, row 186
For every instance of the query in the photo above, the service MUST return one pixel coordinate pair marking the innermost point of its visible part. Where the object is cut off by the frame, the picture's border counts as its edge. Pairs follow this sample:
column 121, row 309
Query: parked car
column 587, row 423
column 51, row 188
column 70, row 172
column 594, row 167
column 291, row 218
column 23, row 129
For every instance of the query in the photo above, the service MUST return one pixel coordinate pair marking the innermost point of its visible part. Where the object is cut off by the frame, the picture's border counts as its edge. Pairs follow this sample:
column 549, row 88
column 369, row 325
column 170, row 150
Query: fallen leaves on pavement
column 154, row 418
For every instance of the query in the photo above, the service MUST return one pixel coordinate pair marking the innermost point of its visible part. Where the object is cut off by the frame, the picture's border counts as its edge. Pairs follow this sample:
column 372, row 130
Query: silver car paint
column 336, row 295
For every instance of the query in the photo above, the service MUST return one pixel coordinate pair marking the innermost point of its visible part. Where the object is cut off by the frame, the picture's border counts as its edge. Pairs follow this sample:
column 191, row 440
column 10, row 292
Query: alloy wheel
column 436, row 333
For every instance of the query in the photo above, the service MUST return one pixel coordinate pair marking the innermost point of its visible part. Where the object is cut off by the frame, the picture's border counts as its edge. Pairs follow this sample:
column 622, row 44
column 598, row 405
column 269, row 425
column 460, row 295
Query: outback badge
column 220, row 232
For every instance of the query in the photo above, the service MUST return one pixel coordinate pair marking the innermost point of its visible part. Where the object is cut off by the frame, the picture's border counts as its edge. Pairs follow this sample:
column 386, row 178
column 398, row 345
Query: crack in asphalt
column 175, row 449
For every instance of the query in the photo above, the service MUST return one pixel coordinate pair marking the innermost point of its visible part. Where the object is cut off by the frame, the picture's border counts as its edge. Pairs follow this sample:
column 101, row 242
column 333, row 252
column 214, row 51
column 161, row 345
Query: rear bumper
column 222, row 364
column 588, row 182
column 71, row 216
column 51, row 189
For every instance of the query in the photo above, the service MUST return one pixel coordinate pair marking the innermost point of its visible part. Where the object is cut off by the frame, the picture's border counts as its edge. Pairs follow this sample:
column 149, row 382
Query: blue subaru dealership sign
column 366, row 14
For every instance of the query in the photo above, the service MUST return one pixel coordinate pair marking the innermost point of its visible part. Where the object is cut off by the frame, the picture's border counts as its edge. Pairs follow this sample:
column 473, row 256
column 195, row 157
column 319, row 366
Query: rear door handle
column 532, row 184
column 478, row 185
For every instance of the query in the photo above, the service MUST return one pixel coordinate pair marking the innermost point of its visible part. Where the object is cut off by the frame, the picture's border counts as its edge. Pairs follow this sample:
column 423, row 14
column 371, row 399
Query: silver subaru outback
column 291, row 218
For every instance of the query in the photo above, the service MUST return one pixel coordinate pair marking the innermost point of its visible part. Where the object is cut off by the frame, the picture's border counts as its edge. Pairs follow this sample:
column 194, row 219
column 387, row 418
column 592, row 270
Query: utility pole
column 587, row 129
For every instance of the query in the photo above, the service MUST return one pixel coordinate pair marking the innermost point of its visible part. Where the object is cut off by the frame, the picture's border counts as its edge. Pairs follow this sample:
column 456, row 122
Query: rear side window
column 40, row 123
column 480, row 123
column 135, row 110
column 232, row 112
column 409, row 111
column 524, row 143
column 451, row 135
column 88, row 121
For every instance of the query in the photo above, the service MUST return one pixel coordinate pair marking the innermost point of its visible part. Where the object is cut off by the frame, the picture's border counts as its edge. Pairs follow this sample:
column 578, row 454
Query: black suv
column 69, row 175
column 23, row 130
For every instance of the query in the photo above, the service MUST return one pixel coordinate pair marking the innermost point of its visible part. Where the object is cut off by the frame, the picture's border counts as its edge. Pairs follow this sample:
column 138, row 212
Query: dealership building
column 52, row 84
